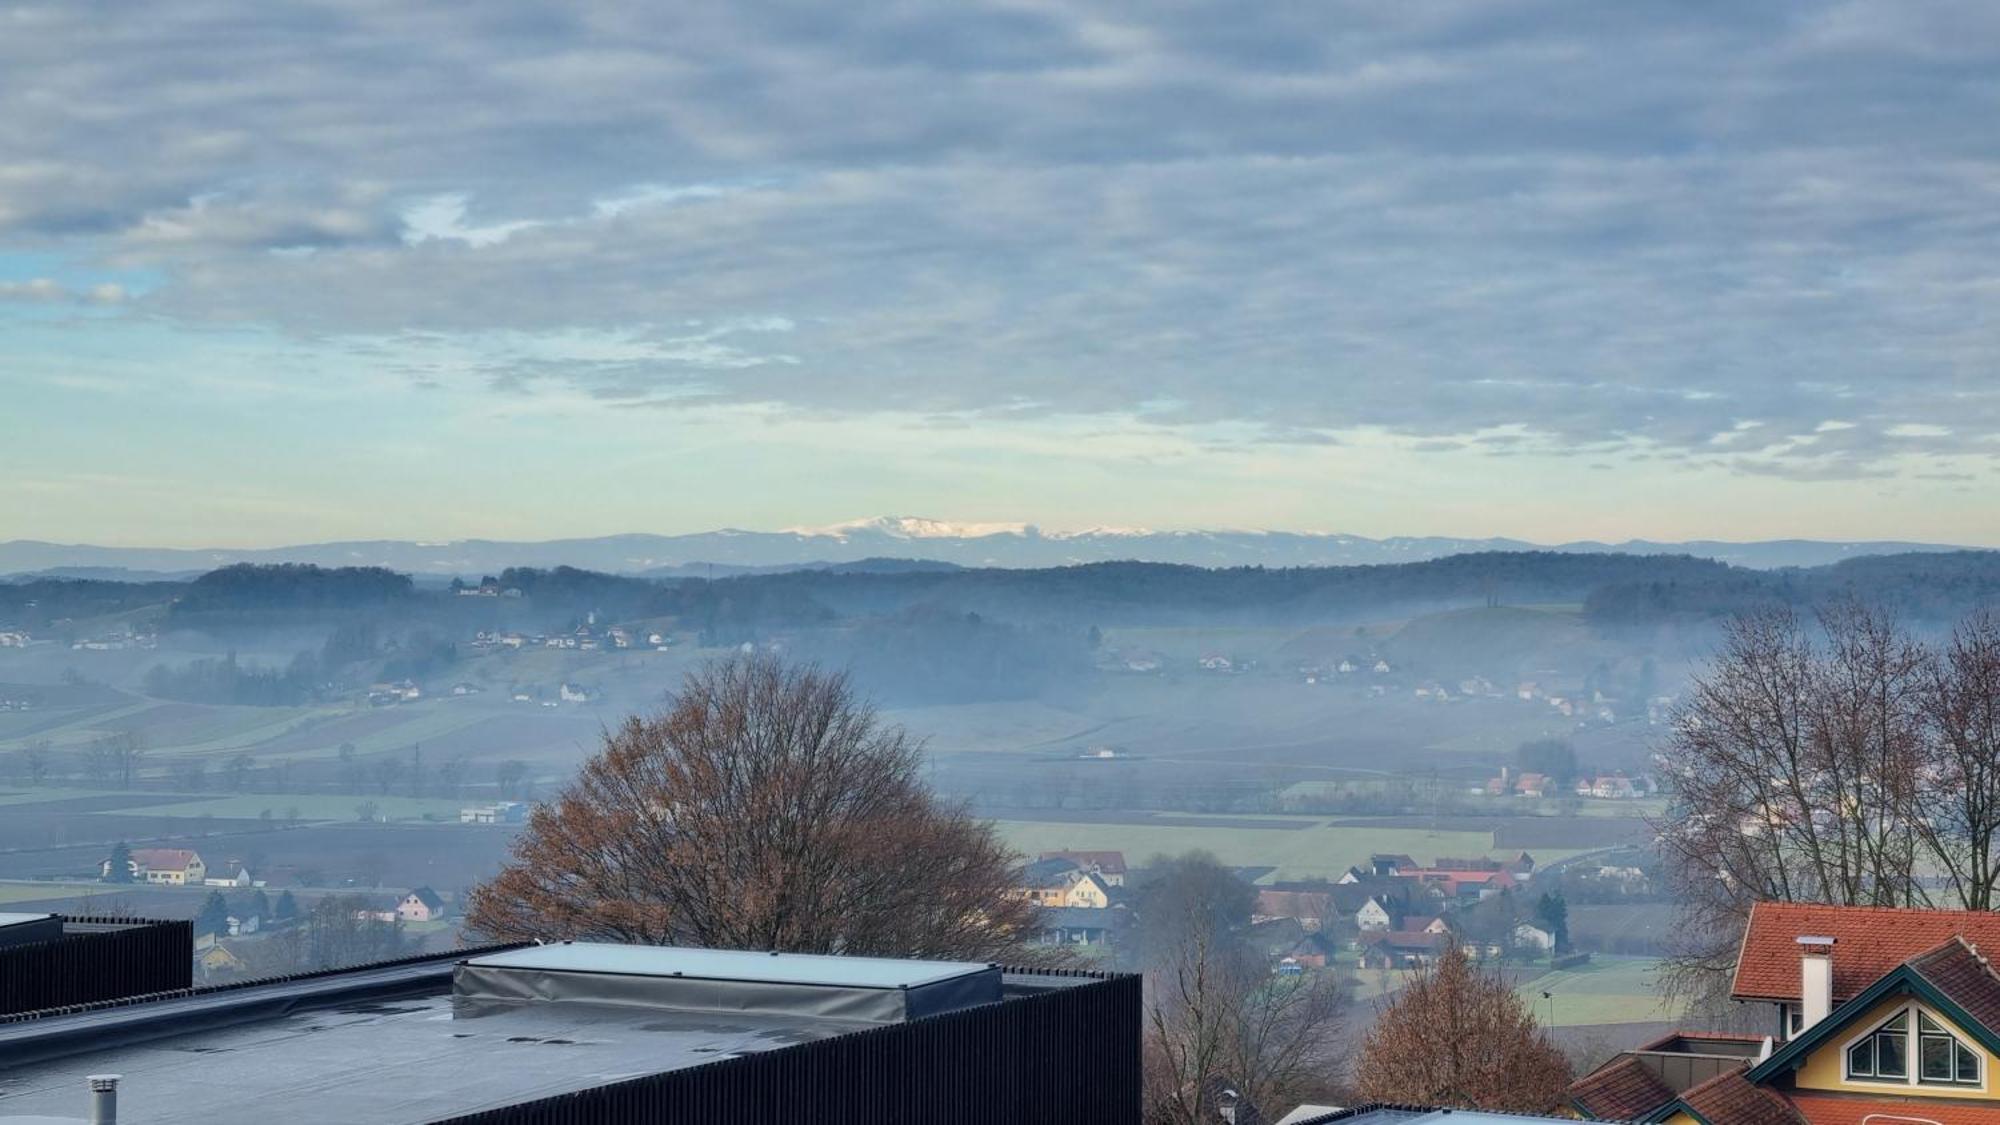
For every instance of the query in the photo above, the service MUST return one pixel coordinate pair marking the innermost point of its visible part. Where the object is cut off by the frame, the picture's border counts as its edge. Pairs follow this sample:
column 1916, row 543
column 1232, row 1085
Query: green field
column 1607, row 990
column 29, row 892
column 1319, row 851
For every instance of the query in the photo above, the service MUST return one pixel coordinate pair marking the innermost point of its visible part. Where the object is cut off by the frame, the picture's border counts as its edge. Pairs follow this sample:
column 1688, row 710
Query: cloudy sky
column 288, row 272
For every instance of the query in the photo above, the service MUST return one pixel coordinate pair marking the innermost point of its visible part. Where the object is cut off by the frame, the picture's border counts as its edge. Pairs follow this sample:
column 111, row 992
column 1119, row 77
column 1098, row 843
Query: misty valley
column 345, row 739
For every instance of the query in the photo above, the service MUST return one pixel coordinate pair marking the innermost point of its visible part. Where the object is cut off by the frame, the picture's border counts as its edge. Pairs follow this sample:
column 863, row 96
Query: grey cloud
column 1613, row 226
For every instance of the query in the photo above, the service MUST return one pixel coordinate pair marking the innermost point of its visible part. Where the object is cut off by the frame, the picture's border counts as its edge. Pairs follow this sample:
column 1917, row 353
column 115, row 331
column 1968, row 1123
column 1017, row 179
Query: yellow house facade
column 1920, row 1045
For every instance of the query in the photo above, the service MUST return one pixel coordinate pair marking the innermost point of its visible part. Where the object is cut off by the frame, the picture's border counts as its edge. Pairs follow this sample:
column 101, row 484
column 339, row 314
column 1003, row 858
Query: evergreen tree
column 287, row 909
column 213, row 917
column 1552, row 911
column 119, row 868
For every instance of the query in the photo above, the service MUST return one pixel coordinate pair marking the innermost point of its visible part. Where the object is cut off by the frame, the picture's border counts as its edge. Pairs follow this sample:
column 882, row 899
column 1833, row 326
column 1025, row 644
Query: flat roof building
column 586, row 1033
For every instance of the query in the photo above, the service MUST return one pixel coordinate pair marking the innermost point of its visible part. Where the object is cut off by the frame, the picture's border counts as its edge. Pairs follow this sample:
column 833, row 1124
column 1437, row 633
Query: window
column 1941, row 1057
column 1883, row 1055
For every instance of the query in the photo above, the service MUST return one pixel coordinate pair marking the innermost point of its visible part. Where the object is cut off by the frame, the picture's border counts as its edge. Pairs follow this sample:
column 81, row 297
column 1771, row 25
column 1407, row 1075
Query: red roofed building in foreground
column 1886, row 1017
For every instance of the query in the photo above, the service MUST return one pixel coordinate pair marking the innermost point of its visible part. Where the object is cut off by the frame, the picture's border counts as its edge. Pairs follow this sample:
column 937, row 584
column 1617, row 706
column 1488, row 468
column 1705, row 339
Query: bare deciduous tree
column 1793, row 762
column 1830, row 766
column 1455, row 1036
column 768, row 809
column 1959, row 788
column 1216, row 1016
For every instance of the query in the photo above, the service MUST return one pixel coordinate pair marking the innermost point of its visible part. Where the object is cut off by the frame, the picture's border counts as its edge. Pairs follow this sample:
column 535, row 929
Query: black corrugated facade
column 120, row 957
column 1069, row 1055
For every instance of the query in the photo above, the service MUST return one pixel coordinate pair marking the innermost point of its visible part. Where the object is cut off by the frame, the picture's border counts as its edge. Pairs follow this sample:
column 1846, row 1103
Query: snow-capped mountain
column 898, row 537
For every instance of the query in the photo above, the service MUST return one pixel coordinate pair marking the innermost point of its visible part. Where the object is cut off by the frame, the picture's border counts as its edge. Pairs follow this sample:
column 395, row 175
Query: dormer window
column 1885, row 1054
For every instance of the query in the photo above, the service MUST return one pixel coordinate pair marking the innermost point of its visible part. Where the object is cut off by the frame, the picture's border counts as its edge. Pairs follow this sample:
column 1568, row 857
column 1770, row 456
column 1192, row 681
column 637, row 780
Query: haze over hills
column 733, row 550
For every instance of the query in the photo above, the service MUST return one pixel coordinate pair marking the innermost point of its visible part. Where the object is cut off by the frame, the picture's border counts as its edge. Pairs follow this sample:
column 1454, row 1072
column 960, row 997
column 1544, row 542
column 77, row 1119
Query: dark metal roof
column 384, row 1044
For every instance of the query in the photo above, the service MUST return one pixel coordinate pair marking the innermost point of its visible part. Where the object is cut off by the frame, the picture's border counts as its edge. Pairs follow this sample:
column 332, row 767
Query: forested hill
column 1616, row 590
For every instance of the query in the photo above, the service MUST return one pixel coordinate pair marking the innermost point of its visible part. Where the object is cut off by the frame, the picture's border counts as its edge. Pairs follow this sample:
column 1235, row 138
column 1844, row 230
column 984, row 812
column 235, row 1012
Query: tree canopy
column 1456, row 1036
column 770, row 808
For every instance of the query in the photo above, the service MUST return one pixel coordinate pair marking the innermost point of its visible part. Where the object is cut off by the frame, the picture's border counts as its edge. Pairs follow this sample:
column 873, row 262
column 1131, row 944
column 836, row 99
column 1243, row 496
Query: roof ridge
column 1972, row 947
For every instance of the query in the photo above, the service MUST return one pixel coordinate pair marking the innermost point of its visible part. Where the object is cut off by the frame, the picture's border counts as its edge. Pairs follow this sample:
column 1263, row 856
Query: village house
column 236, row 875
column 399, row 691
column 500, row 812
column 421, row 905
column 1534, row 937
column 218, row 961
column 1308, row 908
column 1089, row 891
column 1613, row 787
column 1390, row 864
column 174, row 867
column 1289, row 947
column 1375, row 914
column 1109, row 866
column 1884, row 1016
column 1402, row 949
column 1072, row 925
column 1046, row 881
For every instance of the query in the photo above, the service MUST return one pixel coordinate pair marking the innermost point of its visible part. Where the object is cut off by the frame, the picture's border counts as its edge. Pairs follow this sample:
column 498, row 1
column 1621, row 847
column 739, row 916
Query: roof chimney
column 1815, row 980
column 104, row 1099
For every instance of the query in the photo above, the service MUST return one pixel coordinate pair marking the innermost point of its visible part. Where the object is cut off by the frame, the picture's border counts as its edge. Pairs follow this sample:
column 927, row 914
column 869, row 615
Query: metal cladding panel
column 19, row 929
column 143, row 956
column 473, row 982
column 1010, row 1063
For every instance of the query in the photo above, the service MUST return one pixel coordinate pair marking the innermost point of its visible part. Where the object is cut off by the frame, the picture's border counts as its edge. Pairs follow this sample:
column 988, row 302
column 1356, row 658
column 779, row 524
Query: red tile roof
column 1960, row 971
column 1836, row 1109
column 163, row 859
column 1730, row 1099
column 1624, row 1090
column 1313, row 905
column 1869, row 942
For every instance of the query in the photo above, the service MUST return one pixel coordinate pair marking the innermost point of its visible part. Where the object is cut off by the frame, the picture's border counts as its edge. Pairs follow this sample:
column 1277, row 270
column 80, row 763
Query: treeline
column 228, row 681
column 353, row 654
column 35, row 605
column 222, row 596
column 1927, row 587
column 1616, row 591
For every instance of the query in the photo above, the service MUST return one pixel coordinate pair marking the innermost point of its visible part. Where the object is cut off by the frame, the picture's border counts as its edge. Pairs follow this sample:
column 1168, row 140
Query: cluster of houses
column 15, row 638
column 587, row 637
column 1401, row 914
column 1082, row 896
column 398, row 691
column 1606, row 787
column 1395, row 912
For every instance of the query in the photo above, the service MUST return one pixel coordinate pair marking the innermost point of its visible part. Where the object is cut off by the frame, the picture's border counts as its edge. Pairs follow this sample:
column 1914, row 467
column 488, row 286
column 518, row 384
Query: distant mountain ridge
column 880, row 541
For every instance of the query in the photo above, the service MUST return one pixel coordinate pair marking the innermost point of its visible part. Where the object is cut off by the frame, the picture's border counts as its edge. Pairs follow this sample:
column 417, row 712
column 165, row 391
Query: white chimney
column 1815, row 980
column 104, row 1099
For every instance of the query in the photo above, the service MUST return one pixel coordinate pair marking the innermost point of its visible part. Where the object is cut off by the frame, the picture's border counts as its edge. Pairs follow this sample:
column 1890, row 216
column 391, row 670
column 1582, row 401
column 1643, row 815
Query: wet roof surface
column 395, row 1061
column 721, row 964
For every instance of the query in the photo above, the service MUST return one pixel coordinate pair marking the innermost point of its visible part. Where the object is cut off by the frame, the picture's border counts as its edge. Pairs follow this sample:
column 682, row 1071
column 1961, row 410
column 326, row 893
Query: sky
column 278, row 273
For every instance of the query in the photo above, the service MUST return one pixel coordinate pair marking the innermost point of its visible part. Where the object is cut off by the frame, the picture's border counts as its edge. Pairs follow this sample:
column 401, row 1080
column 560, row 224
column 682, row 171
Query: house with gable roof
column 420, row 905
column 1884, row 1016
